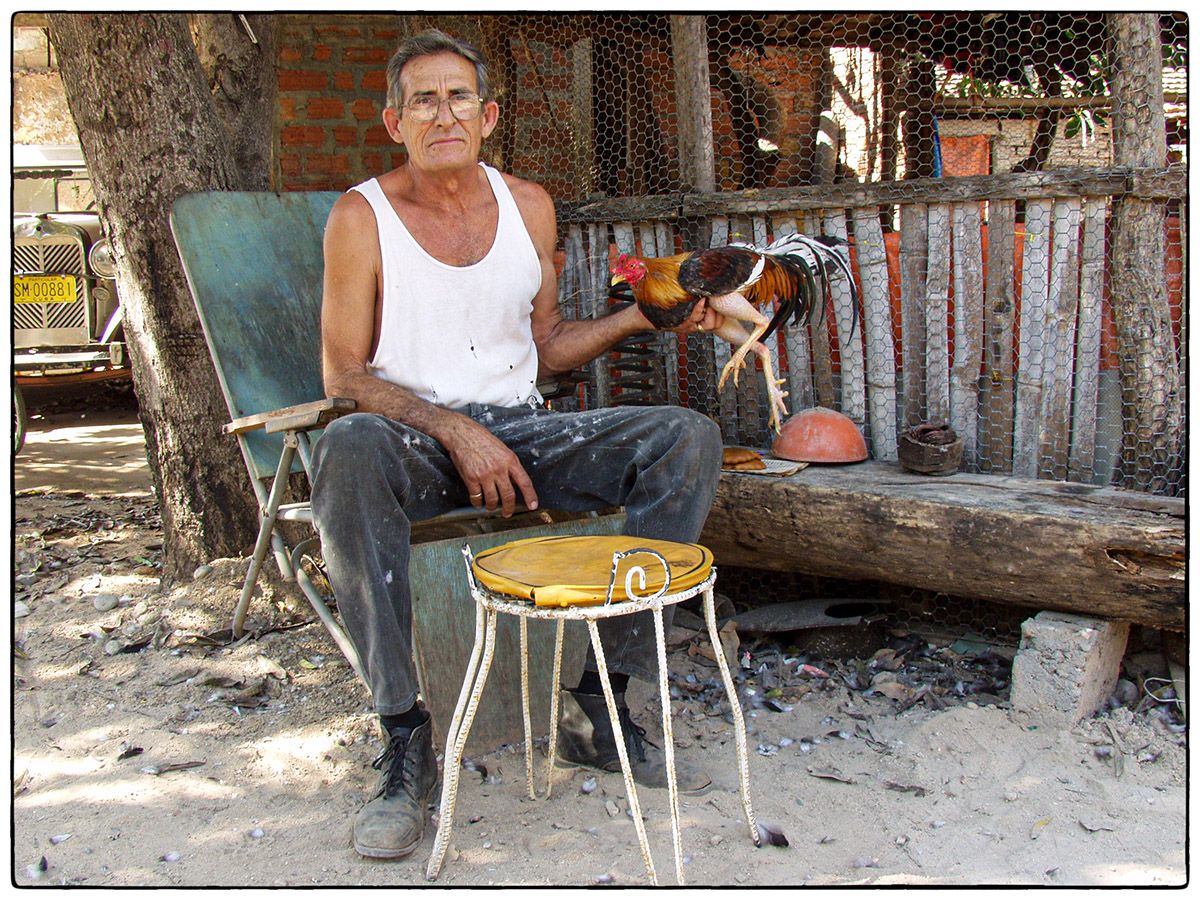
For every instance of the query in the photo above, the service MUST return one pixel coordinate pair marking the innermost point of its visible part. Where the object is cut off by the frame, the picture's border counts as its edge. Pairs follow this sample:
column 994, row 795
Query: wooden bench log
column 1043, row 544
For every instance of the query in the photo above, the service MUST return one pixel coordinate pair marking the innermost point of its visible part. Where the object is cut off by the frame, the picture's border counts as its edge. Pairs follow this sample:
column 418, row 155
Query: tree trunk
column 237, row 53
column 1145, row 341
column 150, row 131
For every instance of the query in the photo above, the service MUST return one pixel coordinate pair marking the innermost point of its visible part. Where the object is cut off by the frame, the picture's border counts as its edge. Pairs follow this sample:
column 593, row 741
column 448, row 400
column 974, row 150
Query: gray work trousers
column 373, row 476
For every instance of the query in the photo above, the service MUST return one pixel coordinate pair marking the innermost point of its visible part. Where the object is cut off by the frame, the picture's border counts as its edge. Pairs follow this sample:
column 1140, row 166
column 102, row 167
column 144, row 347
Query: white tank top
column 455, row 335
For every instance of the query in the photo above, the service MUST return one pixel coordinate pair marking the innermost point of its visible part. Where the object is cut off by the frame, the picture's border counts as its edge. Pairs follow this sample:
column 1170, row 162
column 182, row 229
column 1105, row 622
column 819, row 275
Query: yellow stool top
column 576, row 570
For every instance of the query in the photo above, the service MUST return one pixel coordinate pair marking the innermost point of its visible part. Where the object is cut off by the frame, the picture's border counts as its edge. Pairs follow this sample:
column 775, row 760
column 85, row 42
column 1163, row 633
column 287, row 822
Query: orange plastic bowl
column 820, row 435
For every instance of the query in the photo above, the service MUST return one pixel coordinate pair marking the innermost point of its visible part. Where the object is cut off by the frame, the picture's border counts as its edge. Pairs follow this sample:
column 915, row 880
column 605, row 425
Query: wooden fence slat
column 914, row 245
column 795, row 342
column 1031, row 362
column 1183, row 316
column 758, row 230
column 745, row 391
column 665, row 233
column 937, row 313
column 722, row 229
column 649, row 239
column 762, row 239
column 623, row 237
column 995, row 430
column 850, row 343
column 597, row 263
column 968, row 328
column 1054, row 433
column 818, row 329
column 1082, row 464
column 569, row 284
column 658, row 240
column 594, row 272
column 877, row 326
column 719, row 226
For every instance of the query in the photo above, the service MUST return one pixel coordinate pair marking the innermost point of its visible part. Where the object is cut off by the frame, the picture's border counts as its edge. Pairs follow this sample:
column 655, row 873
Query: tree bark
column 1150, row 386
column 237, row 53
column 150, row 131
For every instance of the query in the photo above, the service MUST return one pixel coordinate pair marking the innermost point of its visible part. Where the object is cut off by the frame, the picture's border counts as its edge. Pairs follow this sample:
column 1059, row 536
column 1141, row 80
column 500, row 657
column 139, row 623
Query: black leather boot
column 585, row 738
column 392, row 824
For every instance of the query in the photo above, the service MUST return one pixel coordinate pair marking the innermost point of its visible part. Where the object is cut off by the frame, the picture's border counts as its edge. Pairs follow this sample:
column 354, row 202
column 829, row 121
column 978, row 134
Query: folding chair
column 254, row 266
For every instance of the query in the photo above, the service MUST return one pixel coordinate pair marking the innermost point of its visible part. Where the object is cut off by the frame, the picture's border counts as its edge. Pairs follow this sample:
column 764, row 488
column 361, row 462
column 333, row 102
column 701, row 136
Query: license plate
column 44, row 288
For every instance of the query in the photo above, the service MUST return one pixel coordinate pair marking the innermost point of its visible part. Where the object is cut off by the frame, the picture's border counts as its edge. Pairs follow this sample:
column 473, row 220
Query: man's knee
column 350, row 446
column 700, row 434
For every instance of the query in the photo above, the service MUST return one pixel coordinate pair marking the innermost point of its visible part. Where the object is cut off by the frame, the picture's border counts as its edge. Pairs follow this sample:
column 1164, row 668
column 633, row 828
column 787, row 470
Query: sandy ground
column 145, row 754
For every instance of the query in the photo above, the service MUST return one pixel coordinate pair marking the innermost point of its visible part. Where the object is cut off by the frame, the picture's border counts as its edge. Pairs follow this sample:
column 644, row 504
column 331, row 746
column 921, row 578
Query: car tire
column 20, row 420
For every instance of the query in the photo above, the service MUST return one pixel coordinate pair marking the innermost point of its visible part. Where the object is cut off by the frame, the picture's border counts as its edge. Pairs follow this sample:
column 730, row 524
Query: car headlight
column 101, row 259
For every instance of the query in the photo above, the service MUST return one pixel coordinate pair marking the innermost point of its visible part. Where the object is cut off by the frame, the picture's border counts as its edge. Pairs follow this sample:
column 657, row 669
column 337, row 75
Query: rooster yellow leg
column 733, row 332
column 777, row 410
column 735, row 306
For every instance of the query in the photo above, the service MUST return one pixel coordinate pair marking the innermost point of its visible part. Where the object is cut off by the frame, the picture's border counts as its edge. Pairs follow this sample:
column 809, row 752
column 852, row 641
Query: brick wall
column 332, row 88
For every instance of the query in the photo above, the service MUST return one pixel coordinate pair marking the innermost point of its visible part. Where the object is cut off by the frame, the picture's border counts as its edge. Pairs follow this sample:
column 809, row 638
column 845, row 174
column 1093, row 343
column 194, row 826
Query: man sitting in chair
column 440, row 313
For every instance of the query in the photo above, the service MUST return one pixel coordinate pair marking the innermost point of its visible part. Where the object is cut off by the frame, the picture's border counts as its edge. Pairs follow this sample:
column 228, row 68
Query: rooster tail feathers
column 806, row 254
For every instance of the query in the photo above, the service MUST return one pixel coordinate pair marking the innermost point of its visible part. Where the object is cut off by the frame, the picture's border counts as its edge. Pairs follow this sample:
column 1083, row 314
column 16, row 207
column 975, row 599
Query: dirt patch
column 149, row 751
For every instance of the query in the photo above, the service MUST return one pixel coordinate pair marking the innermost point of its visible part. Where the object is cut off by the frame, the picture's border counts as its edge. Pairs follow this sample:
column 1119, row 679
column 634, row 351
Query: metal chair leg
column 635, row 808
column 739, row 723
column 325, row 614
column 265, row 531
column 456, row 741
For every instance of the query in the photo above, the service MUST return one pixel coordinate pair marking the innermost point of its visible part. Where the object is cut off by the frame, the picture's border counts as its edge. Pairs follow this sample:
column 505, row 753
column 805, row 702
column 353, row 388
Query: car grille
column 52, row 255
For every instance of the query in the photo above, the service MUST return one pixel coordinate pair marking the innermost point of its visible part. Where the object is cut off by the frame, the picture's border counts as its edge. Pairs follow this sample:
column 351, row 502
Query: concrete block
column 1066, row 667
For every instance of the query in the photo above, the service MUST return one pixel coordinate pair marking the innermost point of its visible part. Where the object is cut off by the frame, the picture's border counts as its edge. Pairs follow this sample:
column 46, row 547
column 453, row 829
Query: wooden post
column 1150, row 387
column 693, row 103
column 583, row 151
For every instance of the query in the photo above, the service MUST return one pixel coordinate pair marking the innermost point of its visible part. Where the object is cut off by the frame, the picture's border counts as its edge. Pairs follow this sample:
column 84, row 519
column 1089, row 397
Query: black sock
column 590, row 683
column 410, row 719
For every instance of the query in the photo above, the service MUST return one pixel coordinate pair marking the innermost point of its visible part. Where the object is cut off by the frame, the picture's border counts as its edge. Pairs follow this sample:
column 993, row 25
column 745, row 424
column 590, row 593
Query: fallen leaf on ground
column 831, row 774
column 906, row 788
column 164, row 768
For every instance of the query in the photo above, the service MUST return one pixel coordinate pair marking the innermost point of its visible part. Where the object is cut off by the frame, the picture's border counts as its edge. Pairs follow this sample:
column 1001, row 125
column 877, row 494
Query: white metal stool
column 563, row 578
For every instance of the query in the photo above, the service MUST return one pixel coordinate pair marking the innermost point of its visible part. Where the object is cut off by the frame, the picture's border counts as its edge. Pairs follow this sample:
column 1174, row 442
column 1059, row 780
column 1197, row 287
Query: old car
column 66, row 314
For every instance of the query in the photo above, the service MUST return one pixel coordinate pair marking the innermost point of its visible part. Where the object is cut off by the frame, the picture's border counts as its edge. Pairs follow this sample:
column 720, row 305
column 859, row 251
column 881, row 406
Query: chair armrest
column 302, row 417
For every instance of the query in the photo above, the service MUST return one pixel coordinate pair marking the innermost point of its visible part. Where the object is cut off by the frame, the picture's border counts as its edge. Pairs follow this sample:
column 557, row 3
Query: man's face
column 444, row 142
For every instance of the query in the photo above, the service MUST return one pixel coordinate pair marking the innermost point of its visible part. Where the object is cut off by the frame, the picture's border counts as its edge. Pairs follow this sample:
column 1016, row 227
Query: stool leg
column 554, row 689
column 739, row 723
column 468, row 677
column 668, row 737
column 635, row 809
column 453, row 761
column 524, row 626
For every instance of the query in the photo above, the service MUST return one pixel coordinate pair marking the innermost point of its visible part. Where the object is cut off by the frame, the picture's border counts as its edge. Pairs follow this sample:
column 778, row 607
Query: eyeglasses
column 425, row 108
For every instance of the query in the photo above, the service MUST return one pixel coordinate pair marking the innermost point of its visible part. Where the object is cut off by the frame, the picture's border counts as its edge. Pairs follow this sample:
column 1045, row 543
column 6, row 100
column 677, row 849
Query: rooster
column 736, row 280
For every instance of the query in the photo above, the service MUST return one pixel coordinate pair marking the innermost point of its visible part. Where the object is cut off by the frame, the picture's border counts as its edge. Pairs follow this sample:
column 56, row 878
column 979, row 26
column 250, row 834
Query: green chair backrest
column 254, row 265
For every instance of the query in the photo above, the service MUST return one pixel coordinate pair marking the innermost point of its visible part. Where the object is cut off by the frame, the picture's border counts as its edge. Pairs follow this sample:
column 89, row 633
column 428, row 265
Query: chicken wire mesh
column 967, row 158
